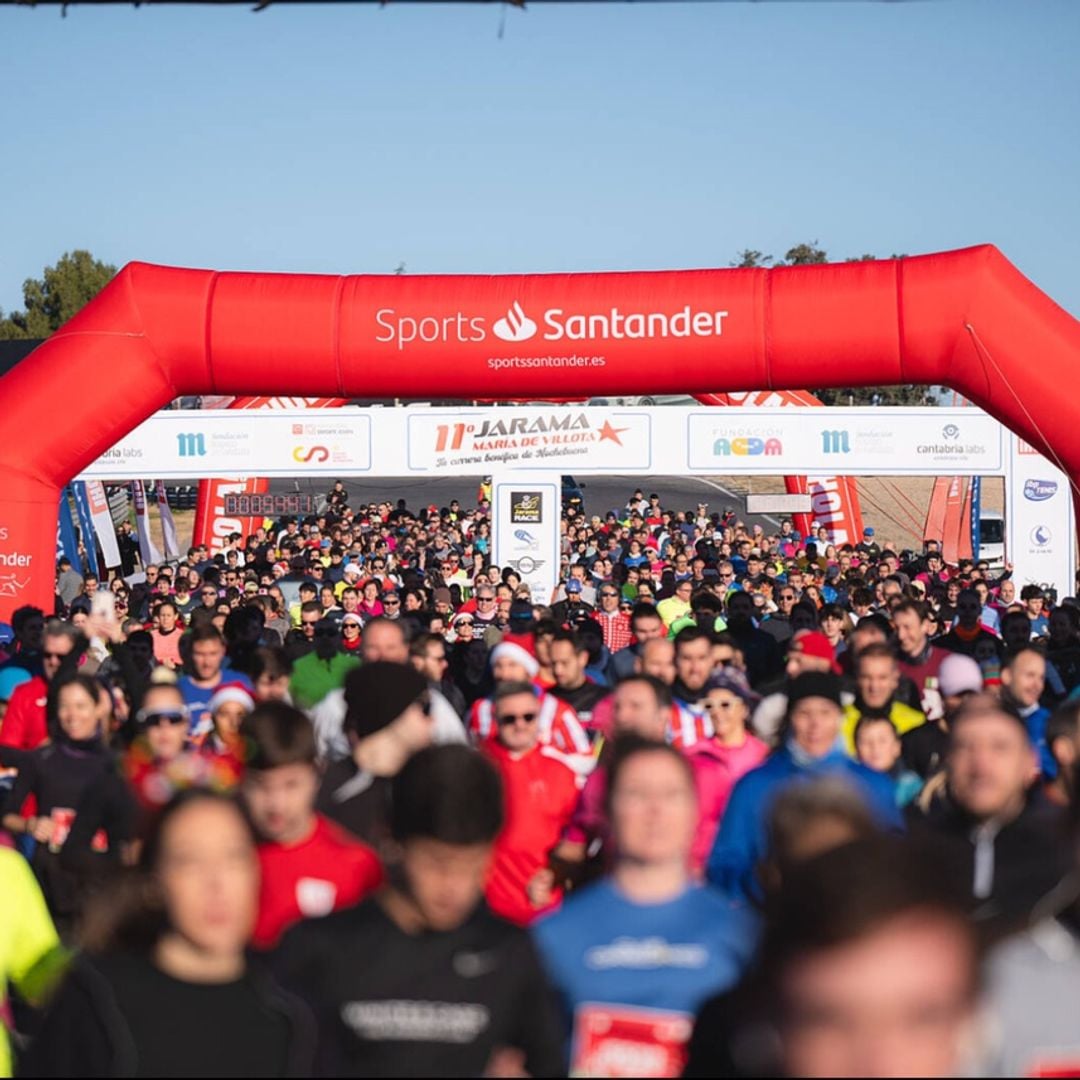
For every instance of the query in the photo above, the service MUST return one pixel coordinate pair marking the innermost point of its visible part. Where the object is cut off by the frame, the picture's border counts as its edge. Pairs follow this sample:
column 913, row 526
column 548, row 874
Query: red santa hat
column 521, row 649
column 231, row 691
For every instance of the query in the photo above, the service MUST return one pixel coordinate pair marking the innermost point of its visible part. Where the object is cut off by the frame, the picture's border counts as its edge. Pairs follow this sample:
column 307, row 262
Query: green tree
column 805, row 255
column 749, row 259
column 58, row 294
column 876, row 395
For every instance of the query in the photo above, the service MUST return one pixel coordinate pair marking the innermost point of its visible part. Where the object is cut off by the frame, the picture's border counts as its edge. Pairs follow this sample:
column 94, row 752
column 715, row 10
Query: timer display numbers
column 268, row 505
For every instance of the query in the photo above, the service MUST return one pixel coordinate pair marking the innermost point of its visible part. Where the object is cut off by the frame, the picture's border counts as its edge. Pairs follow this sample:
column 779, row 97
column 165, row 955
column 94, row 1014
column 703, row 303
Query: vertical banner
column 102, row 518
column 86, row 525
column 934, row 527
column 963, row 545
column 954, row 520
column 834, row 503
column 1040, row 535
column 66, row 541
column 148, row 553
column 525, row 528
column 975, row 505
column 168, row 525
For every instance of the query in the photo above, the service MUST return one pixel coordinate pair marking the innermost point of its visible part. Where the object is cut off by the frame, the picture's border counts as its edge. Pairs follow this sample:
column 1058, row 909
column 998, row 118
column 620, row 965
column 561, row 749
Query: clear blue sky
column 610, row 136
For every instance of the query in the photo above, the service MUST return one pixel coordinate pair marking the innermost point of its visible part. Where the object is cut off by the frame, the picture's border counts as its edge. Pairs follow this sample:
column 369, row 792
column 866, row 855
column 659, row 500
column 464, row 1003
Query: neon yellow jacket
column 904, row 718
column 30, row 953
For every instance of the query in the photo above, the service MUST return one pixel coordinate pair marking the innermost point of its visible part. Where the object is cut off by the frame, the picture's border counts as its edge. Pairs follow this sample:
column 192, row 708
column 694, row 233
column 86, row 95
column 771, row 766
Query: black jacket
column 1015, row 864
column 118, row 1015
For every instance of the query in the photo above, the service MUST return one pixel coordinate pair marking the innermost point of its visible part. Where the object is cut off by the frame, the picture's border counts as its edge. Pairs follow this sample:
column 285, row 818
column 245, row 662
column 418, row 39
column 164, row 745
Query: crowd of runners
column 342, row 799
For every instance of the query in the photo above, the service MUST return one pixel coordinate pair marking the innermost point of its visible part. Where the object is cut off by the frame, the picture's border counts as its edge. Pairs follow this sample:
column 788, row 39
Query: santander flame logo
column 516, row 326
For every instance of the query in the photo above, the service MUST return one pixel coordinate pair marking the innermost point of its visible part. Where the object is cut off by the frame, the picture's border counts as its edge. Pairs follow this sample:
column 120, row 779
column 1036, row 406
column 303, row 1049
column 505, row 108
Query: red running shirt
column 326, row 872
column 540, row 793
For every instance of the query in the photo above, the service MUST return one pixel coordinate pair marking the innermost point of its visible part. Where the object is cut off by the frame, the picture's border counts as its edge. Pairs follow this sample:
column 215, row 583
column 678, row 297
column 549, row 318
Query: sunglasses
column 54, row 655
column 513, row 718
column 156, row 719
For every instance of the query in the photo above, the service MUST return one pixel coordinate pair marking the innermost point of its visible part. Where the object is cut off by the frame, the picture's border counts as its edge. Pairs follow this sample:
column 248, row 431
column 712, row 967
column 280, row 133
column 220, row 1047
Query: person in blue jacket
column 813, row 748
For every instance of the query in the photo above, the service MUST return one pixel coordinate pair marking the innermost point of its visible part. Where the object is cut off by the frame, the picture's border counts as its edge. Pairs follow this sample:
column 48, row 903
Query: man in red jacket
column 540, row 792
column 24, row 726
column 310, row 866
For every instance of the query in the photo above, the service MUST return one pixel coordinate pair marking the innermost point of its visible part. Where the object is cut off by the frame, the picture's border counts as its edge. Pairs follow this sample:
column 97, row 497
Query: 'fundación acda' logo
column 515, row 326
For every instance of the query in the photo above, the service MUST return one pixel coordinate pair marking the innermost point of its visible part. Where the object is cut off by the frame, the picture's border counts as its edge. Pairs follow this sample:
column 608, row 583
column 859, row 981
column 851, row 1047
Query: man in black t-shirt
column 423, row 980
column 569, row 658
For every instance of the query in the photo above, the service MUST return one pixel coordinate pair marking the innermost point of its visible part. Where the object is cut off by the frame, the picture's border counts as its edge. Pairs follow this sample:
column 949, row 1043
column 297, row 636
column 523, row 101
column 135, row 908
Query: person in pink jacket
column 724, row 759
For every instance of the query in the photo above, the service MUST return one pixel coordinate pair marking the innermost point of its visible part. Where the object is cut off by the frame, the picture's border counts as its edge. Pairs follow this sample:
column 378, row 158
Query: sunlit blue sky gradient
column 612, row 136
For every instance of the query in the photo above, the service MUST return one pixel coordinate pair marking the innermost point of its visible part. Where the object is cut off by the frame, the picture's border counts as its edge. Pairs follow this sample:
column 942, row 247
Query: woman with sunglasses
column 154, row 767
column 729, row 755
column 468, row 659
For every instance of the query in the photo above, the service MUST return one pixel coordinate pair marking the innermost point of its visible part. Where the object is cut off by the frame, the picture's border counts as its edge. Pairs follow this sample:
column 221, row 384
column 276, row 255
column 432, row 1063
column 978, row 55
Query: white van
column 992, row 538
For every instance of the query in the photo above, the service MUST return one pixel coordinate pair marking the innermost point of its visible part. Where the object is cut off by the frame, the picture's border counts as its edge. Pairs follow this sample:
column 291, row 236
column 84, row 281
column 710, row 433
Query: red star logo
column 612, row 433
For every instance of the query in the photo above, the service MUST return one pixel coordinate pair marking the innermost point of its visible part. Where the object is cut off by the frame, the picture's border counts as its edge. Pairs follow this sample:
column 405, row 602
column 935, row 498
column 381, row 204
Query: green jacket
column 312, row 678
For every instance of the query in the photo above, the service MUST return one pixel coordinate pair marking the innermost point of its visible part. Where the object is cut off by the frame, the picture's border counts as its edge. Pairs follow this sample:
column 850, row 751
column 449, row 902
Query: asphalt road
column 602, row 493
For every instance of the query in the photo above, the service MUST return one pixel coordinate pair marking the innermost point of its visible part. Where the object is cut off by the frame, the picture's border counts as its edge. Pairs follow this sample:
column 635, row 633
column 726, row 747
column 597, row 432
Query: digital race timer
column 268, row 505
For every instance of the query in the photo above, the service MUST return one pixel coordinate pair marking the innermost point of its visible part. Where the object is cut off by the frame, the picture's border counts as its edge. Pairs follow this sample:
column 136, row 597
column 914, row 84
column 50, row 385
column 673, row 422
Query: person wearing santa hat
column 513, row 660
column 229, row 706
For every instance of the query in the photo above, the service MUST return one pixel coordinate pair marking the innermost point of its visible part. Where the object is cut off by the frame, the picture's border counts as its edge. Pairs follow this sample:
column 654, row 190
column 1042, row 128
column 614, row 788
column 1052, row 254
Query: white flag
column 147, row 552
column 103, row 523
column 168, row 526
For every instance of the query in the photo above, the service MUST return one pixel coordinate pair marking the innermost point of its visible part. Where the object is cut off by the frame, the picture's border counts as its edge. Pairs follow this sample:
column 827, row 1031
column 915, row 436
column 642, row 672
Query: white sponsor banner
column 104, row 529
column 1040, row 527
column 875, row 441
column 208, row 443
column 581, row 440
column 526, row 509
column 484, row 440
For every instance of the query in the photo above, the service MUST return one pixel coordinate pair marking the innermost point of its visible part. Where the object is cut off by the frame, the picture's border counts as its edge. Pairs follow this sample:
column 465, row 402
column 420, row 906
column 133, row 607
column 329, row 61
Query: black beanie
column 376, row 694
column 822, row 684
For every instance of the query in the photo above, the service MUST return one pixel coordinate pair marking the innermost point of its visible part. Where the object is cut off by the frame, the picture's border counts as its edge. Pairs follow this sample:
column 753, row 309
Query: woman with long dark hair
column 57, row 775
column 165, row 988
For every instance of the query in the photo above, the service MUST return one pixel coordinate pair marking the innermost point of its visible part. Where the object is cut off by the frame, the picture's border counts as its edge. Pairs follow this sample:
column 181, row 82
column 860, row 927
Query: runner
column 541, row 791
column 814, row 718
column 308, row 866
column 634, row 957
column 423, row 979
column 180, row 1000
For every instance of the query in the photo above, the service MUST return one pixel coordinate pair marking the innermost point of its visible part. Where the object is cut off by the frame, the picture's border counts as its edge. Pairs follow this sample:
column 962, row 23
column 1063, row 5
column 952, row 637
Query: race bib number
column 620, row 1041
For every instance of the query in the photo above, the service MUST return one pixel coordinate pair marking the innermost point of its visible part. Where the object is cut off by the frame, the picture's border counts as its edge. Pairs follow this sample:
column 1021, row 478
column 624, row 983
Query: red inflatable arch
column 968, row 319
